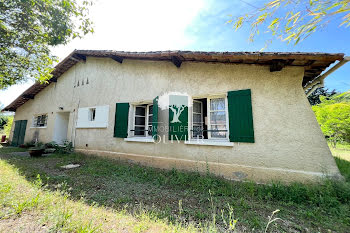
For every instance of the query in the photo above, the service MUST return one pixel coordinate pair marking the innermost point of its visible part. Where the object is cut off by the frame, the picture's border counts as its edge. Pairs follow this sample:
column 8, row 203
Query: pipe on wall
column 310, row 87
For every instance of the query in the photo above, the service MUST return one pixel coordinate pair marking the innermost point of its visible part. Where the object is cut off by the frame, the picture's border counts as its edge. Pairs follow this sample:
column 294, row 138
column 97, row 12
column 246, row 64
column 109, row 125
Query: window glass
column 40, row 121
column 143, row 120
column 140, row 111
column 92, row 114
column 139, row 120
column 197, row 119
column 218, row 118
column 197, row 131
column 139, row 130
column 197, row 107
column 217, row 104
column 219, row 131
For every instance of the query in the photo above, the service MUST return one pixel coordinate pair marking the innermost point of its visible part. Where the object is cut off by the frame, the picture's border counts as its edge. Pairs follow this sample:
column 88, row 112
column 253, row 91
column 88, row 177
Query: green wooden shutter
column 178, row 125
column 155, row 117
column 19, row 133
column 121, row 120
column 16, row 132
column 240, row 116
column 22, row 132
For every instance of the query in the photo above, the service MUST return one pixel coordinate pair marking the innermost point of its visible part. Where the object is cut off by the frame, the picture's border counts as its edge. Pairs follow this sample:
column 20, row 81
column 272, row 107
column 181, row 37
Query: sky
column 153, row 25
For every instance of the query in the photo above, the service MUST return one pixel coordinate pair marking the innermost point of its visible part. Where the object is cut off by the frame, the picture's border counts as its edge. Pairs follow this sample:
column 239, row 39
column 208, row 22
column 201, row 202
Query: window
column 209, row 118
column 143, row 120
column 92, row 117
column 197, row 119
column 92, row 114
column 217, row 118
column 40, row 120
column 150, row 119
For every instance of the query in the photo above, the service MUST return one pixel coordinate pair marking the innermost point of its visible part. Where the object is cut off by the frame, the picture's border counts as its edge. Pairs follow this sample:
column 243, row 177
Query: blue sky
column 138, row 25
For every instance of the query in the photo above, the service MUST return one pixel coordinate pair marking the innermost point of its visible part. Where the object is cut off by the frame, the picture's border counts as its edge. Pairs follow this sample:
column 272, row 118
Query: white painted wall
column 288, row 140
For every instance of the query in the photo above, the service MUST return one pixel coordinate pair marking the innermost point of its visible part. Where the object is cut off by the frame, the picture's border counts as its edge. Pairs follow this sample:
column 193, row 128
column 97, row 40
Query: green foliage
column 342, row 97
column 344, row 167
column 28, row 29
column 314, row 98
column 333, row 115
column 66, row 148
column 294, row 20
column 3, row 120
column 8, row 126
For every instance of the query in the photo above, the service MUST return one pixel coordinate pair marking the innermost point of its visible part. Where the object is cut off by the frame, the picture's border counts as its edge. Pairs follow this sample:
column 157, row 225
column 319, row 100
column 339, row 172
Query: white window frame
column 145, row 135
column 210, row 139
column 147, row 120
column 201, row 114
column 209, row 120
column 38, row 115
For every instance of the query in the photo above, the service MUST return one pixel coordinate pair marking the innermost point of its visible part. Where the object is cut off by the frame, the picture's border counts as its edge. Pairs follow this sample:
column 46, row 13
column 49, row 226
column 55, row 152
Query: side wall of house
column 289, row 144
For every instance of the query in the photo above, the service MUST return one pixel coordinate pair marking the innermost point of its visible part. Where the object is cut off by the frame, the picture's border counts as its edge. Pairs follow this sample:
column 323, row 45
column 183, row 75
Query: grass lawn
column 108, row 195
column 342, row 157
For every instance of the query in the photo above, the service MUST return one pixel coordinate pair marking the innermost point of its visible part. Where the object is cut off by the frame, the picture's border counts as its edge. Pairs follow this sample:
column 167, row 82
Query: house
column 242, row 115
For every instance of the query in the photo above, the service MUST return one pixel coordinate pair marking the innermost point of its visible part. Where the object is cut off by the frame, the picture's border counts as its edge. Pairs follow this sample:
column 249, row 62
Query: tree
column 314, row 98
column 3, row 118
column 334, row 119
column 28, row 28
column 294, row 20
column 8, row 126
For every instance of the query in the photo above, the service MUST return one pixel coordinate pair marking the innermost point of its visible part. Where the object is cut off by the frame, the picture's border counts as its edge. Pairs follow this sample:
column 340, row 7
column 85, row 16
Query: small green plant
column 28, row 144
column 51, row 144
column 38, row 182
column 271, row 219
column 87, row 228
column 8, row 126
column 20, row 207
column 213, row 209
column 38, row 146
column 63, row 219
column 66, row 148
column 230, row 222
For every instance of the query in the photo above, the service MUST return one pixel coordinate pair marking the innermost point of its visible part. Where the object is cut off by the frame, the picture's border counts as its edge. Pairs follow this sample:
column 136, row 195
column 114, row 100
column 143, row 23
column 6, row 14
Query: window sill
column 91, row 127
column 207, row 142
column 39, row 127
column 139, row 139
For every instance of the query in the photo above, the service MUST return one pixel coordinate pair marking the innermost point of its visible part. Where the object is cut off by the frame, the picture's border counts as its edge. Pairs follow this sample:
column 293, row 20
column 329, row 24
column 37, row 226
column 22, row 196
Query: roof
column 313, row 63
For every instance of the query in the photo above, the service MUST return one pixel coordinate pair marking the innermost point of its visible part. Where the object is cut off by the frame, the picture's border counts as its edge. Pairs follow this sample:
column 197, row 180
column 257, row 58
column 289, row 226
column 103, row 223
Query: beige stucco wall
column 289, row 144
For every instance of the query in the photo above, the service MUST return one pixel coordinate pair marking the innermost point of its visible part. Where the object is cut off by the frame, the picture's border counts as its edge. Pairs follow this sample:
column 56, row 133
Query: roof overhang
column 314, row 63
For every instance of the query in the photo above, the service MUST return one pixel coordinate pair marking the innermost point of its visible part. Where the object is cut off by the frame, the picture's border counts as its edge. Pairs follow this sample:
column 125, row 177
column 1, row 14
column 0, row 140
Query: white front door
column 61, row 127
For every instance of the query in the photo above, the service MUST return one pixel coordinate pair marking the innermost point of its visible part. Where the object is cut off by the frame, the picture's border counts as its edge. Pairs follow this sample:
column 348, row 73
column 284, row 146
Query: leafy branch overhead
column 294, row 20
column 27, row 31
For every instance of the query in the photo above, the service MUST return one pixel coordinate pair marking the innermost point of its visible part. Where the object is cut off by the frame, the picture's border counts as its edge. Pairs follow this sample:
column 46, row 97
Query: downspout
column 310, row 87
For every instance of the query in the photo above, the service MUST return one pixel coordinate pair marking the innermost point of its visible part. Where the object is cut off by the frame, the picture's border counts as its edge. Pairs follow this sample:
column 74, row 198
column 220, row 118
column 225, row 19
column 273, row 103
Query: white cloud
column 138, row 25
column 10, row 94
column 130, row 25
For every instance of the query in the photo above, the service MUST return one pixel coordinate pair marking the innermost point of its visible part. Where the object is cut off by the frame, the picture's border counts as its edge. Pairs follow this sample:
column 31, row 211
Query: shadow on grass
column 184, row 197
column 344, row 167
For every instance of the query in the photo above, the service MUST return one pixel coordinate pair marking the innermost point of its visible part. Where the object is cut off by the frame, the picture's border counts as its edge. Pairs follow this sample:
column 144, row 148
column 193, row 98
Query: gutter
column 311, row 86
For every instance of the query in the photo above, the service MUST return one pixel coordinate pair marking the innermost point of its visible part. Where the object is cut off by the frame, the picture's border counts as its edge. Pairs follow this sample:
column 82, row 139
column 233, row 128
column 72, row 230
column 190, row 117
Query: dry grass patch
column 31, row 207
column 108, row 194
